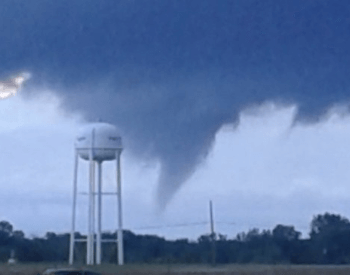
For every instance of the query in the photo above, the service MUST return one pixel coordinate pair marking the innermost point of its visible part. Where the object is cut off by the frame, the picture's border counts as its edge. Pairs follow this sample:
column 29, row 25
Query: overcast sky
column 262, row 173
column 243, row 102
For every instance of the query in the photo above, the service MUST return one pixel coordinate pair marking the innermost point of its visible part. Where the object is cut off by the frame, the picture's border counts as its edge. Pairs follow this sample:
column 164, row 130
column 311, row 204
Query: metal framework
column 94, row 256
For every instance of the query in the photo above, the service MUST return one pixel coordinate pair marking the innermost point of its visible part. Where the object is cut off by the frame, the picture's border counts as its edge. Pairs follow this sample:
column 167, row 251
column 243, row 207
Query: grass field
column 34, row 269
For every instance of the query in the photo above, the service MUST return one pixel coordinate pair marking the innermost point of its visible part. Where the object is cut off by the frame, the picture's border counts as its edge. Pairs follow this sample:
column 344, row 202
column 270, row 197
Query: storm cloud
column 171, row 73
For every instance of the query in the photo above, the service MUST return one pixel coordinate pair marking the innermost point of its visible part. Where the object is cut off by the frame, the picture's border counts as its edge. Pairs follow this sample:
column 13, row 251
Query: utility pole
column 213, row 251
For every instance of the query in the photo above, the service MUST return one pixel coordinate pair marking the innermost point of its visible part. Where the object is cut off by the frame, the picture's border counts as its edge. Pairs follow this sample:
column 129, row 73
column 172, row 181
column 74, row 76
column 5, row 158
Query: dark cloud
column 171, row 73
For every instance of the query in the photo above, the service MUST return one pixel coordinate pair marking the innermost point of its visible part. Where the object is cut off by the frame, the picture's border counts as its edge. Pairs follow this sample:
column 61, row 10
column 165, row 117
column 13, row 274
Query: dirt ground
column 34, row 269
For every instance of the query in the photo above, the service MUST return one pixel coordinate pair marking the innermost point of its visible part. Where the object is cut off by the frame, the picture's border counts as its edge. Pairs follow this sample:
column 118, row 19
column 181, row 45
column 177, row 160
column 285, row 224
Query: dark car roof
column 68, row 271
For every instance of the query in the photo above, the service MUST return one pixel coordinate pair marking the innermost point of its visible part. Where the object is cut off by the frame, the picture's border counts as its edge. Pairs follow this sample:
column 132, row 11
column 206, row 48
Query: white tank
column 103, row 138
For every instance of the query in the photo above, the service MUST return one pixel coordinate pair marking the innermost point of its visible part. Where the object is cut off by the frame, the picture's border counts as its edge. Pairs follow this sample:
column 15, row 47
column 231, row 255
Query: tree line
column 328, row 242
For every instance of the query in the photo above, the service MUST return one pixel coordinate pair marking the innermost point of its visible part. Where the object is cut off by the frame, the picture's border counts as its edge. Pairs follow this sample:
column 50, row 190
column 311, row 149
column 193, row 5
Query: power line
column 170, row 225
column 190, row 224
column 179, row 225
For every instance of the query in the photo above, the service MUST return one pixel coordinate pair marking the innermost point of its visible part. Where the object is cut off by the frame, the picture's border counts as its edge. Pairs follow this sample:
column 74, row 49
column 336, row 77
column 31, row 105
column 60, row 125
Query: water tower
column 95, row 143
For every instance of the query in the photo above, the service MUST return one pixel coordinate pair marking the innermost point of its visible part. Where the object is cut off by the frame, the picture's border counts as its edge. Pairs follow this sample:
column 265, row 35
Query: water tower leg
column 89, row 243
column 75, row 180
column 88, row 237
column 93, row 214
column 120, row 220
column 99, row 214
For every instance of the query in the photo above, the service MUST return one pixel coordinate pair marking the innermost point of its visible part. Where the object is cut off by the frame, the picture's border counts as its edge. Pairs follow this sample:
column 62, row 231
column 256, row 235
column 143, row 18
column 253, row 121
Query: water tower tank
column 102, row 138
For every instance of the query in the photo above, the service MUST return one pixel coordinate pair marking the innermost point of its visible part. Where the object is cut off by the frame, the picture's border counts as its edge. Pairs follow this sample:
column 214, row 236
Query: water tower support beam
column 99, row 214
column 120, row 217
column 88, row 240
column 90, row 236
column 72, row 236
column 93, row 215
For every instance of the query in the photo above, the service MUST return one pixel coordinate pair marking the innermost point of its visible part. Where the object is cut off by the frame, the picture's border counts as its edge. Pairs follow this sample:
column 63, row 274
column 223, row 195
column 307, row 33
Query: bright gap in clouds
column 260, row 174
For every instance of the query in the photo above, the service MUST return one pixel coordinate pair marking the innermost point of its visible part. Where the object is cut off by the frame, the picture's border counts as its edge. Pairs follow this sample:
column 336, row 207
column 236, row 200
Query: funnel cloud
column 171, row 73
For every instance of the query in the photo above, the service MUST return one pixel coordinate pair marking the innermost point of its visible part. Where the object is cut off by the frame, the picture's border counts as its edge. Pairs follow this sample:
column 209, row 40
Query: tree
column 326, row 223
column 330, row 238
column 287, row 239
column 6, row 227
column 18, row 234
column 285, row 233
column 5, row 232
